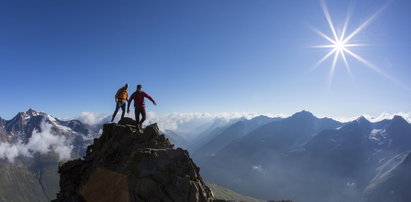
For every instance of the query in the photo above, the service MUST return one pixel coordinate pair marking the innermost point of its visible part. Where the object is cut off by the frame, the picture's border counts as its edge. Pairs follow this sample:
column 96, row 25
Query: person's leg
column 137, row 114
column 123, row 107
column 143, row 117
column 115, row 112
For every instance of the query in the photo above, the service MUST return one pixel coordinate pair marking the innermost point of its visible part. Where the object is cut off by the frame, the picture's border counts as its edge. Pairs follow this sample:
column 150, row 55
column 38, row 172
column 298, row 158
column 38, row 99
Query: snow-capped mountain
column 31, row 145
column 21, row 128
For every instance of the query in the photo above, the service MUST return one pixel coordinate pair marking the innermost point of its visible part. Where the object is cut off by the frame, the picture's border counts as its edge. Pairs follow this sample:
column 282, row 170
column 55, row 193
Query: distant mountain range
column 301, row 157
column 223, row 137
column 310, row 159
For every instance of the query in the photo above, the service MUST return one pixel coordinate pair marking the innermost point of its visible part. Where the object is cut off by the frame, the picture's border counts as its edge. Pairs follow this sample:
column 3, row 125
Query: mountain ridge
column 231, row 133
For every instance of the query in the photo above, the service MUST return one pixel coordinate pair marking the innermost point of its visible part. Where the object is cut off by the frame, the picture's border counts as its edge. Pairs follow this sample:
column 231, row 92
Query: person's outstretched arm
column 149, row 97
column 129, row 102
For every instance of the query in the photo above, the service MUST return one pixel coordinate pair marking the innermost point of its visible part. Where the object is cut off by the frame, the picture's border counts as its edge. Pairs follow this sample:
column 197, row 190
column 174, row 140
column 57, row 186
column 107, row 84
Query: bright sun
column 339, row 44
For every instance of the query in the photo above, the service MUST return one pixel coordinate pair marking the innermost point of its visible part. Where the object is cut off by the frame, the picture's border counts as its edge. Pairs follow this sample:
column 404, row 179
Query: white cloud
column 44, row 142
column 382, row 116
column 406, row 116
column 40, row 142
column 256, row 167
column 91, row 118
column 259, row 169
column 10, row 151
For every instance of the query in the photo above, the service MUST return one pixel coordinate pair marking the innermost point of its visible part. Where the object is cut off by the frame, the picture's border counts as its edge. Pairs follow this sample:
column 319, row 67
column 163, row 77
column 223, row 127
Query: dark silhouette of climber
column 139, row 105
column 121, row 98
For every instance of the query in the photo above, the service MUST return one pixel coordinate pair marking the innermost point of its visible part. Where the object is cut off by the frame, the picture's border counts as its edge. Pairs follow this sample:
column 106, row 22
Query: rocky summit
column 123, row 165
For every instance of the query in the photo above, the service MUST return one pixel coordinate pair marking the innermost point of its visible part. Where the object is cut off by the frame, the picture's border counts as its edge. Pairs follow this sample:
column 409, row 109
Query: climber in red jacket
column 140, row 107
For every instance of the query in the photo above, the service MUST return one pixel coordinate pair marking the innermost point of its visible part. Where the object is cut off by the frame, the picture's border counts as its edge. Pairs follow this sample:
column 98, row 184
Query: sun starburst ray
column 377, row 70
column 370, row 65
column 340, row 45
column 366, row 23
column 346, row 64
column 323, row 46
column 333, row 66
column 324, row 58
column 328, row 17
column 344, row 30
column 323, row 35
column 354, row 45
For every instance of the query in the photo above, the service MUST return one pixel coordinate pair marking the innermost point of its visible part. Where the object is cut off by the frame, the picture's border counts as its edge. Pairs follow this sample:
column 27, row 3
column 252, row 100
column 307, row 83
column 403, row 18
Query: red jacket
column 139, row 99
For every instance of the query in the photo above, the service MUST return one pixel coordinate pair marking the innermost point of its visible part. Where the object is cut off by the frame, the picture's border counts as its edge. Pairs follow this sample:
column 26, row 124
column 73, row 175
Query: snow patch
column 51, row 119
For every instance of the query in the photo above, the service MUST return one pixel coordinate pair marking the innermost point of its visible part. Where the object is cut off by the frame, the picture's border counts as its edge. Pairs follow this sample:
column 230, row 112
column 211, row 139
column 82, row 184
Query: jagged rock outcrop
column 122, row 165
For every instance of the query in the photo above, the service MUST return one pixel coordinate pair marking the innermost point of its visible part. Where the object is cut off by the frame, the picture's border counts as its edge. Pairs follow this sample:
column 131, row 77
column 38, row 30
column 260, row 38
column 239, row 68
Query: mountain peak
column 303, row 114
column 26, row 115
column 361, row 120
column 122, row 163
column 32, row 112
column 260, row 118
column 399, row 121
column 398, row 118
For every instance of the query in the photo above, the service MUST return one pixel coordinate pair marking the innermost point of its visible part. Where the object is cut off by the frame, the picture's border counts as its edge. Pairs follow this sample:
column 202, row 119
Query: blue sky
column 67, row 57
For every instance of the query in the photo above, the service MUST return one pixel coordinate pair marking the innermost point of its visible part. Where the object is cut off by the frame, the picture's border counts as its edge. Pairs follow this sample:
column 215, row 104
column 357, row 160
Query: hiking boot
column 138, row 129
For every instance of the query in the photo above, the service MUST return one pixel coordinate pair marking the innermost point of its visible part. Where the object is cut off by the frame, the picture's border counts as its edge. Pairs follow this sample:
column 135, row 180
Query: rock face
column 122, row 165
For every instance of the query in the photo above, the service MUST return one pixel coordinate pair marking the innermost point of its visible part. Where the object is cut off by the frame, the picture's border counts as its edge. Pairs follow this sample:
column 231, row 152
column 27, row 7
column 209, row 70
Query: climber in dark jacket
column 139, row 105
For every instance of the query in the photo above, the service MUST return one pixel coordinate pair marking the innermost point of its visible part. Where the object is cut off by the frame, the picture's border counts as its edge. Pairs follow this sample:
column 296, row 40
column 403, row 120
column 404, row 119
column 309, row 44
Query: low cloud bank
column 40, row 142
column 382, row 116
column 92, row 118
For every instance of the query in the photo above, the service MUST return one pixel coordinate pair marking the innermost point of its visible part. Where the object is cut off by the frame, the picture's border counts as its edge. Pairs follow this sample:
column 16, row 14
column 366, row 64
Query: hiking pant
column 123, row 107
column 137, row 112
